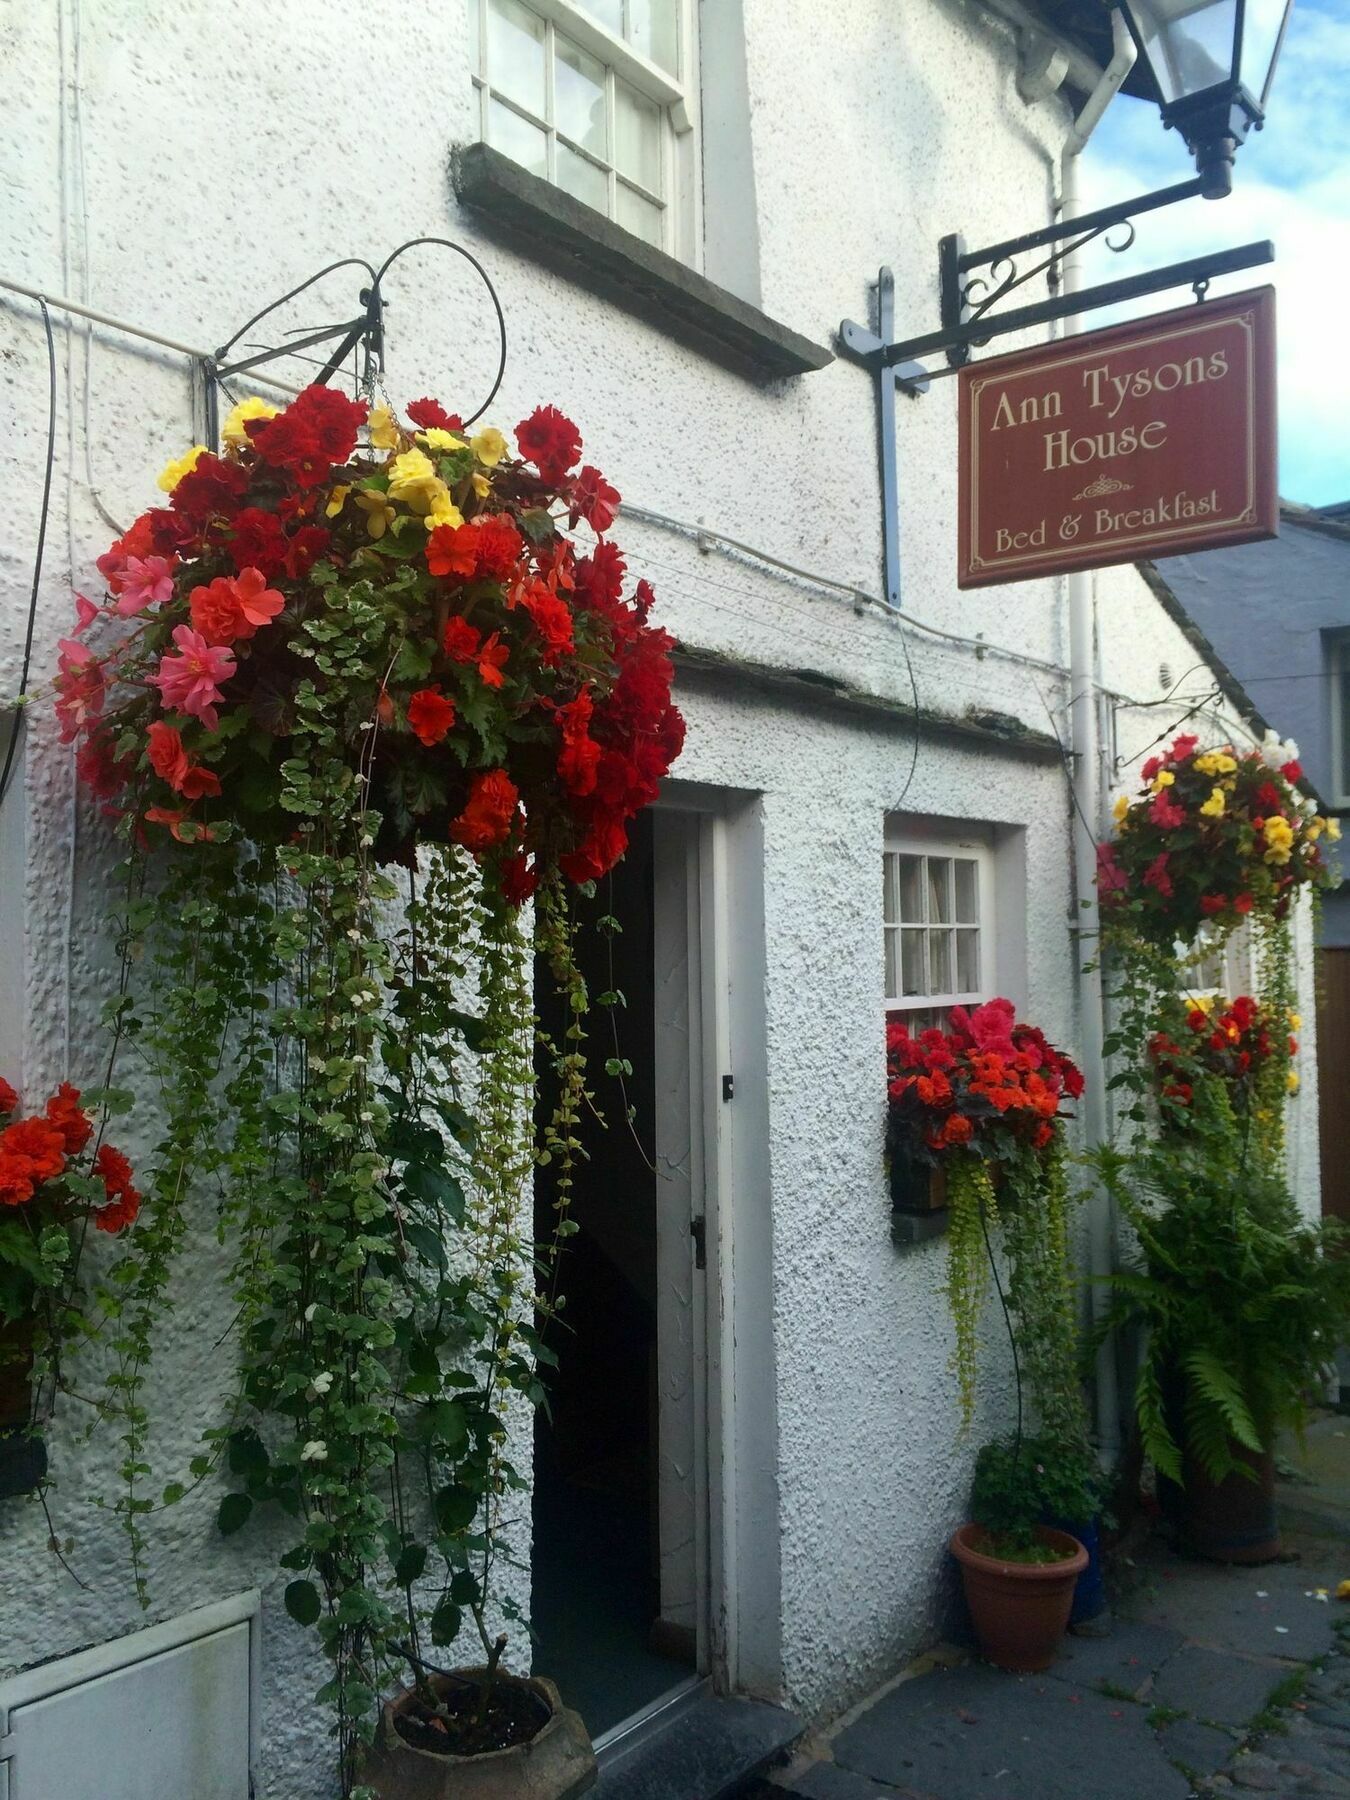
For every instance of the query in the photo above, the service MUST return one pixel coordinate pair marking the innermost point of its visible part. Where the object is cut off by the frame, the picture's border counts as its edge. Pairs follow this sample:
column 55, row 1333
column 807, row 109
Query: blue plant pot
column 1089, row 1594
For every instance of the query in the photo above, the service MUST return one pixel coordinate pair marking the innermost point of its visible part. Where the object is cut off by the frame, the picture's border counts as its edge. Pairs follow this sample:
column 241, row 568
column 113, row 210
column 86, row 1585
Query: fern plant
column 1241, row 1298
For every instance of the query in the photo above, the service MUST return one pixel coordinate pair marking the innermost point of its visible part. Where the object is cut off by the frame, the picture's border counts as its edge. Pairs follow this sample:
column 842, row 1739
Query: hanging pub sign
column 1142, row 440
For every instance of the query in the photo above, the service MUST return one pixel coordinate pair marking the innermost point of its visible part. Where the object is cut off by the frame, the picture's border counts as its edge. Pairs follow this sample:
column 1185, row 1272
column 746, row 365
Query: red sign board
column 1143, row 440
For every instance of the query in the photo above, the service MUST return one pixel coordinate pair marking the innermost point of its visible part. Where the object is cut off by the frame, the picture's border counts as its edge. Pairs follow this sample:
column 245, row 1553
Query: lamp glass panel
column 1262, row 24
column 1189, row 43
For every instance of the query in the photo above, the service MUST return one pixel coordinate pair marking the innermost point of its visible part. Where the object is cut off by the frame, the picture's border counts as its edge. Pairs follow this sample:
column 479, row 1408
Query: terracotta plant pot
column 557, row 1762
column 1020, row 1610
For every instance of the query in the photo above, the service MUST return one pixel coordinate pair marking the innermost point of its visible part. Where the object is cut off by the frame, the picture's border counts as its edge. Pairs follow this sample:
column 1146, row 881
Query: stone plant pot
column 1233, row 1520
column 556, row 1764
column 1020, row 1610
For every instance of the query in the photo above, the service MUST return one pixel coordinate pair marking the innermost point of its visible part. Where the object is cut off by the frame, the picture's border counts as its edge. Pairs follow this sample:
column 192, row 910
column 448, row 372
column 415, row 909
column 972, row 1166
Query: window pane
column 640, row 216
column 637, row 136
column 579, row 98
column 911, row 889
column 967, row 962
column 608, row 13
column 582, row 179
column 516, row 55
column 892, row 964
column 890, row 889
column 967, row 891
column 911, row 963
column 652, row 29
column 475, row 39
column 1343, row 703
column 939, row 890
column 514, row 137
column 940, row 962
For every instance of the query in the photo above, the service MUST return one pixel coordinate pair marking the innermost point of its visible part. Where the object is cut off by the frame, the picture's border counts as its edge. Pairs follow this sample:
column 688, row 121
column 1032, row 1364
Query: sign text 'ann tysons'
column 1143, row 440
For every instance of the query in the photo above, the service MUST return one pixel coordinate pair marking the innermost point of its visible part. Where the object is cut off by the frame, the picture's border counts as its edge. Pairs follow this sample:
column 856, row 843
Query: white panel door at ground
column 174, row 1726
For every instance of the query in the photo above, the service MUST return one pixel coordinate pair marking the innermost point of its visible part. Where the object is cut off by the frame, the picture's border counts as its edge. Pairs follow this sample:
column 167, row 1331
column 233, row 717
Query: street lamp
column 1210, row 63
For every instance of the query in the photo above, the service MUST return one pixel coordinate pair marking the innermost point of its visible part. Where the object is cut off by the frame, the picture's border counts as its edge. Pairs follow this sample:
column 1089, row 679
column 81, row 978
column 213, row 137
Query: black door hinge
column 698, row 1230
column 728, row 1087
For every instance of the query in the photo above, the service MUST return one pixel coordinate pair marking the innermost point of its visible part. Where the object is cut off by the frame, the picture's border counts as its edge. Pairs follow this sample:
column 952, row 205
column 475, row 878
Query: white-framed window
column 938, row 915
column 599, row 97
column 1338, row 683
column 1220, row 971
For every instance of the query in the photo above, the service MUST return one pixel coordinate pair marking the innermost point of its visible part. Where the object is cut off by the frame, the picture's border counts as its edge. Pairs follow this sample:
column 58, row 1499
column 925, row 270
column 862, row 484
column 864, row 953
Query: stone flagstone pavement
column 1215, row 1681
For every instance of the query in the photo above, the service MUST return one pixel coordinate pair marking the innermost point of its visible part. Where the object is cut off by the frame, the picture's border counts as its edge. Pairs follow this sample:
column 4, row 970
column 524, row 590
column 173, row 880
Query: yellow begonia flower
column 1295, row 1021
column 1121, row 807
column 1314, row 829
column 253, row 408
column 435, row 438
column 481, row 485
column 489, row 446
column 1291, row 1081
column 1334, row 830
column 382, row 429
column 173, row 472
column 1213, row 807
column 1215, row 762
column 336, row 501
column 379, row 513
column 411, row 470
column 1163, row 779
column 442, row 510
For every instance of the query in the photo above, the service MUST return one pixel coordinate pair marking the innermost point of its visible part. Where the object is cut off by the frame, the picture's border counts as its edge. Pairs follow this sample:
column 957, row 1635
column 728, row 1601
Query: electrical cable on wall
column 17, row 725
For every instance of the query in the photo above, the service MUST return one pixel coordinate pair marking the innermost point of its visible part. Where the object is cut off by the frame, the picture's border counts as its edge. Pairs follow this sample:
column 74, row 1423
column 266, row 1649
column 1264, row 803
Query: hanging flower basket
column 498, row 689
column 1211, row 837
column 351, row 649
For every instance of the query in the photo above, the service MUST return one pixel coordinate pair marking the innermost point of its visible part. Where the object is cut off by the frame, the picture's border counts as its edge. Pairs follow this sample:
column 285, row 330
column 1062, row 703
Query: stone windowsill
column 543, row 222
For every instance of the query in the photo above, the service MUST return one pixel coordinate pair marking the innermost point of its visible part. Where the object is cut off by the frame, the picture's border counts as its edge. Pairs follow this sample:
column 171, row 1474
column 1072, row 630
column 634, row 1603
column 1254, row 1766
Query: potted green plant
column 1019, row 1573
column 1242, row 1301
column 355, row 696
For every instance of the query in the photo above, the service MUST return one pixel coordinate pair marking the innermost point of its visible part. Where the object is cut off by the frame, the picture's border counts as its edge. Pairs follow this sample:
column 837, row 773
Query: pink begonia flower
column 79, row 682
column 190, row 682
column 146, row 581
column 1111, row 878
column 85, row 612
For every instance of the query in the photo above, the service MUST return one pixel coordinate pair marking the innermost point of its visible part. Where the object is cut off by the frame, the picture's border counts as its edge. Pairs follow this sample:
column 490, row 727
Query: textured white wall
column 180, row 163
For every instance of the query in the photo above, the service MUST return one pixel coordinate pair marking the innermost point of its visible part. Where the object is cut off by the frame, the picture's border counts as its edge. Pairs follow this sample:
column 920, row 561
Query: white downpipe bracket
column 1088, row 808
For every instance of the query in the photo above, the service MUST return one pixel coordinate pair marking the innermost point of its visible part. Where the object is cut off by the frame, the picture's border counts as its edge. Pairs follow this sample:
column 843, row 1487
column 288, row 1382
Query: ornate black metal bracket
column 967, row 297
column 365, row 332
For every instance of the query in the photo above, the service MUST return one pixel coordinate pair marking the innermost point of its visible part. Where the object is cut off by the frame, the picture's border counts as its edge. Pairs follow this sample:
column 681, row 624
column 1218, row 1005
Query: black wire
column 1012, row 1335
column 449, row 244
column 347, row 262
column 41, row 545
column 914, row 757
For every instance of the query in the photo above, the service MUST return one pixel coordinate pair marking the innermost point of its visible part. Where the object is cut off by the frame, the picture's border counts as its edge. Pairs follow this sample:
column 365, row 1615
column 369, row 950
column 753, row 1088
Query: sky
column 1292, row 185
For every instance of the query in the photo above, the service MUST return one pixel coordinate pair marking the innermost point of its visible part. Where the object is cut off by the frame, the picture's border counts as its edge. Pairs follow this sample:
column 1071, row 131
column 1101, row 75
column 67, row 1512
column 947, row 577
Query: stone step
column 713, row 1749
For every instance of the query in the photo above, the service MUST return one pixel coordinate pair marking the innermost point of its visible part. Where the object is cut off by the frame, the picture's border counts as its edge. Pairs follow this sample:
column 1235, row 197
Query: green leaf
column 409, row 1564
column 233, row 1514
column 445, row 1623
column 247, row 1453
column 436, row 1188
column 302, row 1602
column 456, row 1509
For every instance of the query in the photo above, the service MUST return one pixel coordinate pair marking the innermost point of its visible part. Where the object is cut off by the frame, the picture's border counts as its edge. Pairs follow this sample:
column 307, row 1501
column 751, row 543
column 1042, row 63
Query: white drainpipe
column 1088, row 811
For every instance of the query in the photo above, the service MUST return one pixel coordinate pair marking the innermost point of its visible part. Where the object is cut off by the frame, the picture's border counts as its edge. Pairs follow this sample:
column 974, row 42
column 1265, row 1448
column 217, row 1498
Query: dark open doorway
column 596, row 1570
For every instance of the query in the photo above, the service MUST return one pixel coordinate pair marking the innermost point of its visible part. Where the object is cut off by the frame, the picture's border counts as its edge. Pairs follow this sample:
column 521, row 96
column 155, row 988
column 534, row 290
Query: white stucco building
column 791, row 1447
